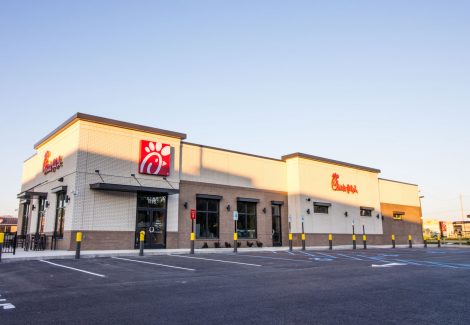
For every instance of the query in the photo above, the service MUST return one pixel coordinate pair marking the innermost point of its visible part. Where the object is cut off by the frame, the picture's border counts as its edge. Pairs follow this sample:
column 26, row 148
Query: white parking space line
column 278, row 258
column 351, row 257
column 327, row 255
column 5, row 305
column 151, row 263
column 213, row 260
column 73, row 269
column 308, row 254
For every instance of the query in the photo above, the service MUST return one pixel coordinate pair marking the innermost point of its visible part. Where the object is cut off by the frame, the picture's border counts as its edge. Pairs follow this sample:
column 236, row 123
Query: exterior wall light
column 308, row 211
column 61, row 179
column 228, row 207
column 378, row 216
column 67, row 199
column 346, row 214
column 185, row 205
column 309, row 199
column 47, row 204
column 264, row 210
column 33, row 207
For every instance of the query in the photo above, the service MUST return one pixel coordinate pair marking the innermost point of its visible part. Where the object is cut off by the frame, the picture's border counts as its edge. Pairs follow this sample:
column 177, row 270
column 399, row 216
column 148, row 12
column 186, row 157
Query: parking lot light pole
column 141, row 242
column 78, row 239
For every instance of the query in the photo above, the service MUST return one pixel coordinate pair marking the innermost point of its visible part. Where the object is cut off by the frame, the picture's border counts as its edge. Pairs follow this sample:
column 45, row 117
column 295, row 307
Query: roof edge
column 330, row 161
column 394, row 181
column 231, row 151
column 106, row 121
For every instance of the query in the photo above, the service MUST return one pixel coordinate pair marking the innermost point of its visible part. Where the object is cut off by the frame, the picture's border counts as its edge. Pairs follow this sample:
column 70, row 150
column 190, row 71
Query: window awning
column 277, row 202
column 131, row 188
column 322, row 204
column 31, row 194
column 244, row 199
column 209, row 196
column 61, row 188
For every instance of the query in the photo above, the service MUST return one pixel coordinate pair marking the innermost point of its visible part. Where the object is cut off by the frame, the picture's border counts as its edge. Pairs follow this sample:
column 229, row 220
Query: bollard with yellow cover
column 78, row 240
column 410, row 242
column 438, row 240
column 330, row 241
column 2, row 239
column 290, row 242
column 141, row 242
column 393, row 240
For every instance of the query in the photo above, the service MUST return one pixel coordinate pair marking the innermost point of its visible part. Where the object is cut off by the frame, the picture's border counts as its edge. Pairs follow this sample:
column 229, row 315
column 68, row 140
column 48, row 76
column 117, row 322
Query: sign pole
column 193, row 235
column 235, row 232
column 353, row 236
column 290, row 234
column 303, row 234
column 364, row 237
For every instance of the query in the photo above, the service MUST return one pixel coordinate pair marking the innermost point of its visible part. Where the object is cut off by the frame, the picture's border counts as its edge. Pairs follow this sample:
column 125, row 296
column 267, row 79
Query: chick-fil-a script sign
column 336, row 186
column 155, row 158
column 51, row 165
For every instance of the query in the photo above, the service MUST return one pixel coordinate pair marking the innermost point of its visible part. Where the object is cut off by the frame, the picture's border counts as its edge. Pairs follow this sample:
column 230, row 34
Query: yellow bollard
column 141, row 242
column 2, row 239
column 330, row 241
column 393, row 240
column 78, row 239
column 410, row 241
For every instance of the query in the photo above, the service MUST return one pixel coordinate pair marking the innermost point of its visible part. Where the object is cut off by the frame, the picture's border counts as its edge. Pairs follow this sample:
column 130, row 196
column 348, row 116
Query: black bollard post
column 78, row 239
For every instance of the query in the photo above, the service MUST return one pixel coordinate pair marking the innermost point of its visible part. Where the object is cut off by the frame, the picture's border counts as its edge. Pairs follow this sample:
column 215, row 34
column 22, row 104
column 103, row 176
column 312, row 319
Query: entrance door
column 277, row 232
column 151, row 218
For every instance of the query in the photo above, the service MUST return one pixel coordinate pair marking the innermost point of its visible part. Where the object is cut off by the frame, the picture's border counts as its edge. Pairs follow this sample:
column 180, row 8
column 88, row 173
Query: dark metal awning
column 322, row 204
column 31, row 194
column 131, row 188
column 245, row 199
column 209, row 196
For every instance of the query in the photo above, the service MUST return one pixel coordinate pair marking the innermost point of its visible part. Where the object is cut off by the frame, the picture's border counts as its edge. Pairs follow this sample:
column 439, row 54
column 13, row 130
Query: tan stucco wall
column 210, row 165
column 310, row 179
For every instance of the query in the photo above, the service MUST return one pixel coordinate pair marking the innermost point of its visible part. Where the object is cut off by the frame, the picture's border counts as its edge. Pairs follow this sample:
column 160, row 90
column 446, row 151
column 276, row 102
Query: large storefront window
column 60, row 215
column 41, row 216
column 207, row 218
column 246, row 219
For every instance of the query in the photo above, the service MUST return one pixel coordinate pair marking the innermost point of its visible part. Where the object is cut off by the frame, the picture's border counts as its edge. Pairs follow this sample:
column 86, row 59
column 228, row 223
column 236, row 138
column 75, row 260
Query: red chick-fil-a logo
column 336, row 186
column 49, row 165
column 154, row 158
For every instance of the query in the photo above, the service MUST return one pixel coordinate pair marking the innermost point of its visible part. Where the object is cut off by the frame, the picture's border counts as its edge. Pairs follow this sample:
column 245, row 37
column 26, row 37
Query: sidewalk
column 21, row 255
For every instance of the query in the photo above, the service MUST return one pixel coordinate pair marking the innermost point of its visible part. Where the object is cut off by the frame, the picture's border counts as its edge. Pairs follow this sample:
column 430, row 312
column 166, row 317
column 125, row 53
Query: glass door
column 151, row 218
column 276, row 231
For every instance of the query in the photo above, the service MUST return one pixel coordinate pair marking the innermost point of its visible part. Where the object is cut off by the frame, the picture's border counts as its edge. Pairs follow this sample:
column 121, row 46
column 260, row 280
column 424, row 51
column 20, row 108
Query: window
column 319, row 207
column 246, row 219
column 41, row 216
column 151, row 201
column 398, row 215
column 60, row 215
column 207, row 218
column 25, row 219
column 366, row 212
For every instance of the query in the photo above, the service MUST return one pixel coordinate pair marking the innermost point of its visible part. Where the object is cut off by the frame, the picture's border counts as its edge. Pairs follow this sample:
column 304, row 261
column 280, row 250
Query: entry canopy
column 131, row 188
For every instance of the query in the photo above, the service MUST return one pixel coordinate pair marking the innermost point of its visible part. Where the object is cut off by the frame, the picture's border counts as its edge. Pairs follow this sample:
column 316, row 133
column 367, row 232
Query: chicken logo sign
column 154, row 158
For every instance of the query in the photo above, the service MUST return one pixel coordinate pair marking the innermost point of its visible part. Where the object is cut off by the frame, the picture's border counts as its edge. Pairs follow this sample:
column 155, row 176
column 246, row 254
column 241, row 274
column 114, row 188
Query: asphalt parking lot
column 407, row 286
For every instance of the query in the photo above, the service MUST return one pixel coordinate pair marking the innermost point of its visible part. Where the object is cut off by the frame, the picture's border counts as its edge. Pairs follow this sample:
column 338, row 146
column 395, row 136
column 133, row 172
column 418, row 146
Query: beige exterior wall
column 217, row 166
column 399, row 193
column 115, row 153
column 310, row 179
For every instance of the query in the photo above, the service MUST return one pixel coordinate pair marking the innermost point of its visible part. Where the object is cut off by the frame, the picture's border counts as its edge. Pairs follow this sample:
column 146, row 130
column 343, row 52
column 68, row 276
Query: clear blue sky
column 383, row 84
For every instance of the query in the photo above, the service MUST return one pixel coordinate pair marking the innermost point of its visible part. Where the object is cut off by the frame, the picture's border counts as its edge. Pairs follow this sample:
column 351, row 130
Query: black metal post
column 2, row 239
column 141, row 242
column 364, row 237
column 79, row 243
column 354, row 237
column 330, row 241
column 235, row 238
column 193, row 237
column 303, row 237
column 290, row 238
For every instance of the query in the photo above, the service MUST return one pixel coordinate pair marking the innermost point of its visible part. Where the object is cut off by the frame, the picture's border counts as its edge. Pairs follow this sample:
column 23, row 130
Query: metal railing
column 9, row 244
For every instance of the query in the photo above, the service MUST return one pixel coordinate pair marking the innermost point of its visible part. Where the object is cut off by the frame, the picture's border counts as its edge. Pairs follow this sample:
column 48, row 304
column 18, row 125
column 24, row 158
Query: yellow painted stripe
column 290, row 236
column 193, row 236
column 79, row 237
column 235, row 236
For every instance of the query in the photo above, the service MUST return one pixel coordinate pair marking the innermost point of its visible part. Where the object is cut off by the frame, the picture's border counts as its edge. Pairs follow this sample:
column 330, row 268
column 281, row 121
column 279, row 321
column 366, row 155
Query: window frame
column 365, row 209
column 246, row 216
column 207, row 213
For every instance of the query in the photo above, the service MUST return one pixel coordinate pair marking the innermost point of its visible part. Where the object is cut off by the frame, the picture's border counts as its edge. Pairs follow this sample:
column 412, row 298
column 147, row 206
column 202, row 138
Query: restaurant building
column 111, row 179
